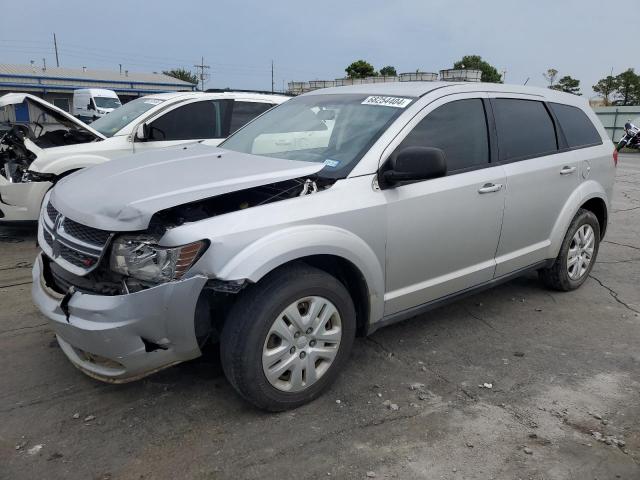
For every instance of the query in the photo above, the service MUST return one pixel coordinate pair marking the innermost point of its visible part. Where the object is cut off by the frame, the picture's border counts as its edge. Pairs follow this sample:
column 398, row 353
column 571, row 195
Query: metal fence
column 614, row 118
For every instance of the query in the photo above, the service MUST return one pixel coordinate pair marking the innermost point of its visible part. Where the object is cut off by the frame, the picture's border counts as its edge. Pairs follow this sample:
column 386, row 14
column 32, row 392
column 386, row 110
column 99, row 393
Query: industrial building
column 56, row 85
column 450, row 75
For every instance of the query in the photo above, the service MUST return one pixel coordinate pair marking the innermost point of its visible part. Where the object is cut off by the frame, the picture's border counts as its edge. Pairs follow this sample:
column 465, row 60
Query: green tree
column 388, row 71
column 627, row 88
column 550, row 75
column 182, row 74
column 475, row 62
column 567, row 84
column 605, row 88
column 360, row 69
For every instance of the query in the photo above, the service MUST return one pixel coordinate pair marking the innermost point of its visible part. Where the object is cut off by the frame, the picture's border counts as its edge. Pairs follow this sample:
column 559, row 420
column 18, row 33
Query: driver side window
column 194, row 121
column 459, row 128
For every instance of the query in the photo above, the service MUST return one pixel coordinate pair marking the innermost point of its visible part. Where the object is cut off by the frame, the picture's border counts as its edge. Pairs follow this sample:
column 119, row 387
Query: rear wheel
column 288, row 337
column 577, row 254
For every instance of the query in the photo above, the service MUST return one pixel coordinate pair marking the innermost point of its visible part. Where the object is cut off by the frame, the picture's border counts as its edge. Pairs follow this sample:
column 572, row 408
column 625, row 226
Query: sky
column 317, row 40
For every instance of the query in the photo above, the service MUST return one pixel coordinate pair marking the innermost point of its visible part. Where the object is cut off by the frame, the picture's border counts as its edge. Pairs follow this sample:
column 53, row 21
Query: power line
column 202, row 68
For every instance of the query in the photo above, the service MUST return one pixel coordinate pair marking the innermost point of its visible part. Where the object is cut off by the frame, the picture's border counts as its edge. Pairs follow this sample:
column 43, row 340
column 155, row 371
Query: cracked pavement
column 556, row 362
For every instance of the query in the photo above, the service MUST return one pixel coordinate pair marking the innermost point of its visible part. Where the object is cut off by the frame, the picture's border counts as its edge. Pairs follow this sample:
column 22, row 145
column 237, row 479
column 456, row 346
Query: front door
column 197, row 120
column 442, row 233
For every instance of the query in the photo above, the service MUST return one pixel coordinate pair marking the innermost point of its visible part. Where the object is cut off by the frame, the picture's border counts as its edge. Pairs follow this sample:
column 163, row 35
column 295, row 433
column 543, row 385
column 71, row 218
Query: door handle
column 490, row 187
column 567, row 170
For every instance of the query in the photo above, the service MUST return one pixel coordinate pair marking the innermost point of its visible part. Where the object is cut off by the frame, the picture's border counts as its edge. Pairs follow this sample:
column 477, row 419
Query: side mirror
column 142, row 132
column 414, row 163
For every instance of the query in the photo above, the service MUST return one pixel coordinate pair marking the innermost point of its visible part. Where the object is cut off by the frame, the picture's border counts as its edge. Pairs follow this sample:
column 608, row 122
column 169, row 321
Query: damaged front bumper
column 21, row 201
column 122, row 338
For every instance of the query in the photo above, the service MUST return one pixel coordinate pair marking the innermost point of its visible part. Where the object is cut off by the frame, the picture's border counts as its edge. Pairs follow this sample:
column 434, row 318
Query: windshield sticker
column 153, row 102
column 396, row 102
column 331, row 163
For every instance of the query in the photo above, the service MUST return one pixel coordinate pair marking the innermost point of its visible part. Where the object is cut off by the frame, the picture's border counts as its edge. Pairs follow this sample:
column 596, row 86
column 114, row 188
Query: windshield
column 335, row 130
column 107, row 102
column 110, row 124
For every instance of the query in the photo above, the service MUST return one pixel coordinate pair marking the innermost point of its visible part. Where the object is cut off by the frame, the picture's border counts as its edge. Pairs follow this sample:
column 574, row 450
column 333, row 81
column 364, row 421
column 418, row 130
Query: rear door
column 541, row 175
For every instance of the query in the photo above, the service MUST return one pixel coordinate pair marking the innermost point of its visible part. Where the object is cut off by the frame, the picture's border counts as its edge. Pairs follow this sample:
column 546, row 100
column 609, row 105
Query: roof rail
column 265, row 92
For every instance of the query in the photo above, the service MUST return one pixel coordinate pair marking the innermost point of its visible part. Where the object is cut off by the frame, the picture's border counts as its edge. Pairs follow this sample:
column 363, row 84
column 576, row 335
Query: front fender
column 61, row 165
column 585, row 192
column 278, row 248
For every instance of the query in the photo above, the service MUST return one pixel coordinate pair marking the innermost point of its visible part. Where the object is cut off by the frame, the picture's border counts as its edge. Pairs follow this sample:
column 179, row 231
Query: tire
column 562, row 277
column 253, row 330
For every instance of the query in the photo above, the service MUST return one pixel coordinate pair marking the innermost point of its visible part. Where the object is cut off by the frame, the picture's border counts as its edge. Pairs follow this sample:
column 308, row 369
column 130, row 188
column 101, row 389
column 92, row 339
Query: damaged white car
column 35, row 154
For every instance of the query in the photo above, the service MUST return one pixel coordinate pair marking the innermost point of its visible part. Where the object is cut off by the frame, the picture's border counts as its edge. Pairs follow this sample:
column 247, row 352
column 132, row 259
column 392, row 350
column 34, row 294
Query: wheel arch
column 598, row 207
column 591, row 196
column 334, row 250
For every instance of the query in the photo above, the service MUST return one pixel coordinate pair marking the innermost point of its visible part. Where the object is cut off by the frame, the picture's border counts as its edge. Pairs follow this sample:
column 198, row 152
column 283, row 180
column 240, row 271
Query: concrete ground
column 561, row 366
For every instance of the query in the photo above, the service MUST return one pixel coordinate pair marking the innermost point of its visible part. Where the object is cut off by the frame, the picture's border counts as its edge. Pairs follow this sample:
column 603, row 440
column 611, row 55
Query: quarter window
column 193, row 121
column 576, row 126
column 244, row 112
column 459, row 128
column 524, row 127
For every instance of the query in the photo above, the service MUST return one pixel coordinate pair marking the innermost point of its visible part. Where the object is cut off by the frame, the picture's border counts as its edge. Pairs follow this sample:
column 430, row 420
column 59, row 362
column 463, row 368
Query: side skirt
column 439, row 302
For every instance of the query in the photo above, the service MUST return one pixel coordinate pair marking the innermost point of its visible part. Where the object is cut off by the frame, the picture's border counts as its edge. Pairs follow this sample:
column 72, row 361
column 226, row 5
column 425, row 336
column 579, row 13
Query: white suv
column 35, row 155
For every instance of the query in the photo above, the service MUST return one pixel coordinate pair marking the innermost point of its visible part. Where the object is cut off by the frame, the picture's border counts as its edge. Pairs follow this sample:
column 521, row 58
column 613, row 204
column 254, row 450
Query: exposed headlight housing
column 140, row 257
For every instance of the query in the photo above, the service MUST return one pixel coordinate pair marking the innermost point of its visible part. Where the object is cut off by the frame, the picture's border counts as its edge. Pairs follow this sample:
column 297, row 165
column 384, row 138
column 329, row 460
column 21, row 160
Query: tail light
column 615, row 157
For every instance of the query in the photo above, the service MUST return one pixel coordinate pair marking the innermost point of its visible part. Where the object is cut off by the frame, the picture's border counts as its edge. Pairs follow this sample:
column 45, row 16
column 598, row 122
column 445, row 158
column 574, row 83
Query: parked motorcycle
column 631, row 138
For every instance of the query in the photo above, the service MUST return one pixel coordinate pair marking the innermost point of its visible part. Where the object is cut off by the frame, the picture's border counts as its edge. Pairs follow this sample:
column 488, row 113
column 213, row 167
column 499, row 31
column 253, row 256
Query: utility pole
column 202, row 67
column 55, row 46
column 272, row 82
column 44, row 64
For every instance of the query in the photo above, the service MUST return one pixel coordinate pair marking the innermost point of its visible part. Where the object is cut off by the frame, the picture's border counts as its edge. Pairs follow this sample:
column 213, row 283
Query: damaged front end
column 128, row 288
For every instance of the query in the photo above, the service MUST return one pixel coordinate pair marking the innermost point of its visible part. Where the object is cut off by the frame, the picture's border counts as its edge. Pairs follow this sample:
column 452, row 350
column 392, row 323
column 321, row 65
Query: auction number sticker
column 397, row 102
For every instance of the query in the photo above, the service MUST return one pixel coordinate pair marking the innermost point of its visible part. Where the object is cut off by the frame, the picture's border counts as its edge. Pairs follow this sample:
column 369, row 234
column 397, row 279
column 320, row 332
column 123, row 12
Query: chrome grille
column 76, row 247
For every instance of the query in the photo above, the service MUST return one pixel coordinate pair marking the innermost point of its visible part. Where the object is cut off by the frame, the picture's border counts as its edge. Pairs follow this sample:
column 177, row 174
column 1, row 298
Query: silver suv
column 331, row 215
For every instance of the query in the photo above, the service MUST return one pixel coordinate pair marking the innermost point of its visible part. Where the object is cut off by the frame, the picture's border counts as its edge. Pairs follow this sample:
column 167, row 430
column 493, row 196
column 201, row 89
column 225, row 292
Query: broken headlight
column 140, row 257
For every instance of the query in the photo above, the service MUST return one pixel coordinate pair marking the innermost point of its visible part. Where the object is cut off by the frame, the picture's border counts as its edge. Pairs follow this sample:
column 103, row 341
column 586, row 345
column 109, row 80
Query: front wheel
column 288, row 337
column 577, row 254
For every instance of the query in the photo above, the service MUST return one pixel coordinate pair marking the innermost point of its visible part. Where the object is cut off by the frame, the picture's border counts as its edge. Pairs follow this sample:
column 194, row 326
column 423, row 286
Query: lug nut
column 312, row 343
column 309, row 330
column 296, row 335
column 293, row 350
column 302, row 354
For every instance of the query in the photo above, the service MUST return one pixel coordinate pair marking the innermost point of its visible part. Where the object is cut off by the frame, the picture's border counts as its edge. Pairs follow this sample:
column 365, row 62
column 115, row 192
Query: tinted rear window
column 576, row 126
column 244, row 112
column 525, row 129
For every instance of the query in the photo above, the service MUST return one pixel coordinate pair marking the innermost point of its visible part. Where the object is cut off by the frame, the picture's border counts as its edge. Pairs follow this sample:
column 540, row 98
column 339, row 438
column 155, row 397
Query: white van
column 89, row 104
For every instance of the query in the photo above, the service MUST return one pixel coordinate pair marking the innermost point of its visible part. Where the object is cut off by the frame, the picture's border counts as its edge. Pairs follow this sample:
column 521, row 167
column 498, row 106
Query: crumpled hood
column 123, row 194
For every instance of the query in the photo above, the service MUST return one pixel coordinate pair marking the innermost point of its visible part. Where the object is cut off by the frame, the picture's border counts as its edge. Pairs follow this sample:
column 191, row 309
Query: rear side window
column 525, row 129
column 193, row 121
column 576, row 126
column 459, row 129
column 244, row 112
